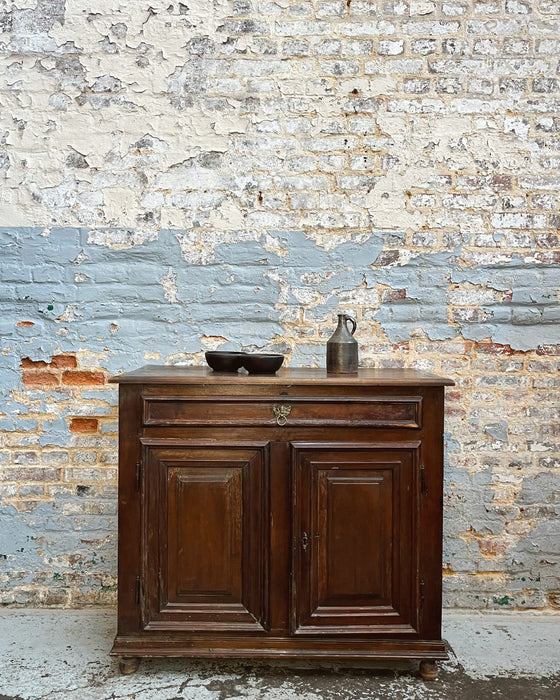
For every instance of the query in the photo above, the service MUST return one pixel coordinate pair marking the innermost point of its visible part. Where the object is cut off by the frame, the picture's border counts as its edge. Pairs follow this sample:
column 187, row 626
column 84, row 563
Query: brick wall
column 186, row 176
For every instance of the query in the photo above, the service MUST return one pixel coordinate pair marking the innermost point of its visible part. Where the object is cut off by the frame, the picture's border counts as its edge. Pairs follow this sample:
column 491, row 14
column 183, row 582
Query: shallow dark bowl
column 222, row 361
column 262, row 363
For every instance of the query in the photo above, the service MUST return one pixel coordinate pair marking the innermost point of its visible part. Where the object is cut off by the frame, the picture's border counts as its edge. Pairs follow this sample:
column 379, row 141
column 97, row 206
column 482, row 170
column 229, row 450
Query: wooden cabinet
column 295, row 515
column 354, row 569
column 204, row 516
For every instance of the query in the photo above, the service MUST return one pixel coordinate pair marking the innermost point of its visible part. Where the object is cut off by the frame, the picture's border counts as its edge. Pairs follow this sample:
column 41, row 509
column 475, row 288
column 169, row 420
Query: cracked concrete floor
column 63, row 655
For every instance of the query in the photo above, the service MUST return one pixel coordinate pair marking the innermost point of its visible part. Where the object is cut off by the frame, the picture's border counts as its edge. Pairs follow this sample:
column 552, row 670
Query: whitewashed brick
column 302, row 28
column 241, row 169
column 390, row 48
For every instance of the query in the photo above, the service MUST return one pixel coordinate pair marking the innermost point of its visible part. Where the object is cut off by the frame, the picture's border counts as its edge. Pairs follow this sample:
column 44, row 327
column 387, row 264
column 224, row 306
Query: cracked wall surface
column 184, row 176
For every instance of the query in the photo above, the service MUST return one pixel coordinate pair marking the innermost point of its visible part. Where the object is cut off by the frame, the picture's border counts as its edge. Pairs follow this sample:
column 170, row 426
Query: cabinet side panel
column 431, row 516
column 129, row 509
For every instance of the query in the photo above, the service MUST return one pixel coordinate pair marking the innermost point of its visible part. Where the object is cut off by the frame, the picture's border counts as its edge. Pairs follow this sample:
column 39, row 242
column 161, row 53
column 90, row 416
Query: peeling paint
column 196, row 175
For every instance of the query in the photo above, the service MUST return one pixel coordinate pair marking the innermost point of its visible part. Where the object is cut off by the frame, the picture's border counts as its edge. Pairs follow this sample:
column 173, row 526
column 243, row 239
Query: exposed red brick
column 84, row 425
column 27, row 363
column 548, row 350
column 502, row 182
column 64, row 361
column 38, row 378
column 25, row 324
column 546, row 239
column 495, row 349
column 491, row 548
column 386, row 257
column 455, row 411
column 83, row 378
column 551, row 257
column 393, row 294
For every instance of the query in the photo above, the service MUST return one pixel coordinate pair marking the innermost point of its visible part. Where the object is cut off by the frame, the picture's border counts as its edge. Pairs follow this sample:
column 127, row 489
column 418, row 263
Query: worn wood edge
column 133, row 647
column 287, row 377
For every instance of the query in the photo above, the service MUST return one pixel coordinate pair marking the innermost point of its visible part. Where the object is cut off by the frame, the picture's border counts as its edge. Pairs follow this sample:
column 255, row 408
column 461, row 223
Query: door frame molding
column 384, row 625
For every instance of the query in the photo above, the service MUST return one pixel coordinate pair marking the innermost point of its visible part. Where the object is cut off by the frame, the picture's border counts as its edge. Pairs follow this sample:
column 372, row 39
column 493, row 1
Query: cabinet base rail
column 279, row 648
column 427, row 654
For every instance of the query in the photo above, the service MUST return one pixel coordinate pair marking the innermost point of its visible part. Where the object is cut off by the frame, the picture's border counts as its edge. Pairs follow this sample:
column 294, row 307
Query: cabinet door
column 205, row 529
column 354, row 550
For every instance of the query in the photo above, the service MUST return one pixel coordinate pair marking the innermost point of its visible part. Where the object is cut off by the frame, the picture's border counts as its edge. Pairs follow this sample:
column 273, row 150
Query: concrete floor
column 62, row 654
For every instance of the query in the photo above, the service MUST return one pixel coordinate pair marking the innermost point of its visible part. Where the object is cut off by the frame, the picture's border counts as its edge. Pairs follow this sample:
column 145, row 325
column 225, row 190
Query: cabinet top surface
column 172, row 374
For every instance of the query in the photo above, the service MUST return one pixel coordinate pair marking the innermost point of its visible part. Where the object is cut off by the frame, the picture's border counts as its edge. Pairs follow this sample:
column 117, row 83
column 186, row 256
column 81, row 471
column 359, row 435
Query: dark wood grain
column 227, row 646
column 355, row 573
column 219, row 492
column 172, row 374
column 205, row 552
column 129, row 537
column 253, row 411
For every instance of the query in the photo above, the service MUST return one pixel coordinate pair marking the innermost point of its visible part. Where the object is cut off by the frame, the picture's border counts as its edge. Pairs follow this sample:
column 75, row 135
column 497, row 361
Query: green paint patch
column 57, row 576
column 504, row 600
column 109, row 588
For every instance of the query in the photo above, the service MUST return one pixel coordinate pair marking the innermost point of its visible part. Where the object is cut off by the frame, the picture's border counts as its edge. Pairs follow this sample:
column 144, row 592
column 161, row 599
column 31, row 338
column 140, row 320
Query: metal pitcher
column 342, row 348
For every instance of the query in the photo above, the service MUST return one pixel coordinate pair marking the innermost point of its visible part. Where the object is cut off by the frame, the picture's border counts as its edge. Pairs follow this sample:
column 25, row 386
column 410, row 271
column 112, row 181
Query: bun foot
column 428, row 670
column 128, row 664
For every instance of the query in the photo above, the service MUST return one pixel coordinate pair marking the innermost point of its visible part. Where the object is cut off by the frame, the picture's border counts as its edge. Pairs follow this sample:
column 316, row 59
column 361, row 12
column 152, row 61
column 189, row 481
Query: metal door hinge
column 138, row 475
column 422, row 479
column 304, row 541
column 137, row 591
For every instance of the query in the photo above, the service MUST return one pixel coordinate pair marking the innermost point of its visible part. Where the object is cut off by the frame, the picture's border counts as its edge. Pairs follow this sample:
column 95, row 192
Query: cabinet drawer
column 270, row 411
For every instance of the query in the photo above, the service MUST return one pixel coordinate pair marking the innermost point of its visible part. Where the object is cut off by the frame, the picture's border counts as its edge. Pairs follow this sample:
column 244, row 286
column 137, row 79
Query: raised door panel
column 355, row 541
column 205, row 520
column 346, row 502
column 206, row 502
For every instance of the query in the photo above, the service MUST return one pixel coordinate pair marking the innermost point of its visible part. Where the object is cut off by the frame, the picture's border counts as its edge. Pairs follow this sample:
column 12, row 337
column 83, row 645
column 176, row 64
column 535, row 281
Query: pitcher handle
column 352, row 321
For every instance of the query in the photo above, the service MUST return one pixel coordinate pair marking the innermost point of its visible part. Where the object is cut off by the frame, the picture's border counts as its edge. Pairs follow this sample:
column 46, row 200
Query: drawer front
column 270, row 411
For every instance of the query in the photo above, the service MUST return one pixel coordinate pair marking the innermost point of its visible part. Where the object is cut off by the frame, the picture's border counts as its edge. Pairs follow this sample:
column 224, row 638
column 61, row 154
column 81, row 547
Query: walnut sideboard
column 294, row 515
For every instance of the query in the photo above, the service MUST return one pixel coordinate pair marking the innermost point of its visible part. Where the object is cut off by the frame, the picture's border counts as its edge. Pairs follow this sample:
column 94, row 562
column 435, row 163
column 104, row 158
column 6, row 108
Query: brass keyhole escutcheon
column 281, row 412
